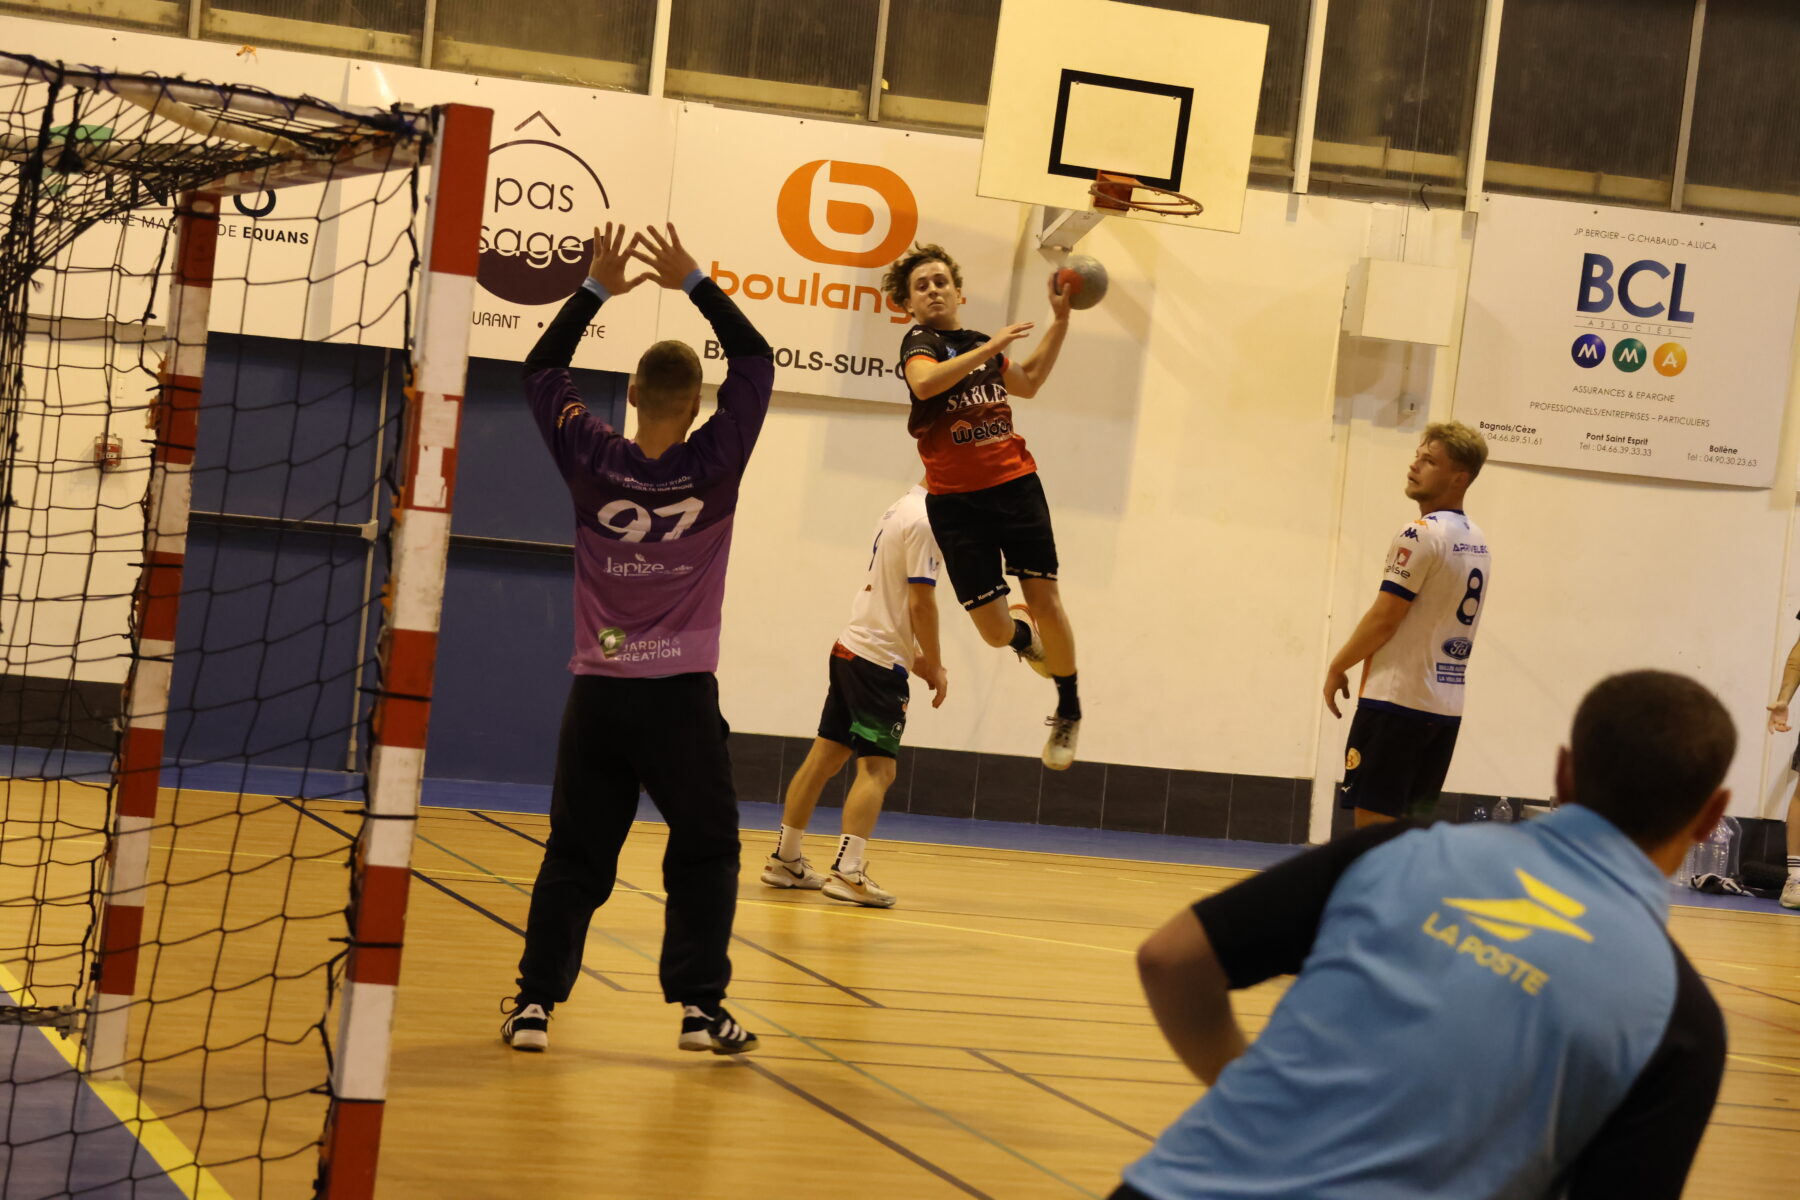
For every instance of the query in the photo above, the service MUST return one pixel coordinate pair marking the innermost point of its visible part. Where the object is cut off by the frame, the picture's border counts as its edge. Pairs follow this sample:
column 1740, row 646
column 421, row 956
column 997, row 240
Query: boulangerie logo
column 847, row 214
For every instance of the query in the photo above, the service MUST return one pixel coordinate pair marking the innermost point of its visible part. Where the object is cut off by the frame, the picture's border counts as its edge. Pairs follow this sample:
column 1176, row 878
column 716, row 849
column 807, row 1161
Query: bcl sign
column 1598, row 289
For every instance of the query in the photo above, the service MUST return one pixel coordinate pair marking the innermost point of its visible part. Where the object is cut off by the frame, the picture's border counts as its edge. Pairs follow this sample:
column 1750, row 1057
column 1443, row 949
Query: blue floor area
column 61, row 1139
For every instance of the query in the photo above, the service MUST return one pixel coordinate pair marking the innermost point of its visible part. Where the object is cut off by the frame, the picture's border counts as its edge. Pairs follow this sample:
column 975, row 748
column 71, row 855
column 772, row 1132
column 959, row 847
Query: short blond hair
column 1464, row 446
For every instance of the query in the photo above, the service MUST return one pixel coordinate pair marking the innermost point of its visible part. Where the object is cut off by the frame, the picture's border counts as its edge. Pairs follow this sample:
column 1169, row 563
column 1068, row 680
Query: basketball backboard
column 1082, row 87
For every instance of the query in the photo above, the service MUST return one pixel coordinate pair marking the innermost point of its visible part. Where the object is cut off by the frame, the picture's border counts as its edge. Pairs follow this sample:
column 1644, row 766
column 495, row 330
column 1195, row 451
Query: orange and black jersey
column 966, row 436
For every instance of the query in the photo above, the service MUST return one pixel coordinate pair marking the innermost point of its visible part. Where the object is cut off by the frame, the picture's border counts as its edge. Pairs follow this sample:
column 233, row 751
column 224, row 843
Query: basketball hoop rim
column 1172, row 203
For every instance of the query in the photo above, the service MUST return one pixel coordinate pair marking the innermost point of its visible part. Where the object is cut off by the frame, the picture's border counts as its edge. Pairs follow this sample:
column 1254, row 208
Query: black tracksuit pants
column 667, row 737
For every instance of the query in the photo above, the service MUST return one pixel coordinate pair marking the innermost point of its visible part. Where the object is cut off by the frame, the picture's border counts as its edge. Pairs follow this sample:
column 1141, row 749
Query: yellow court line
column 164, row 1145
column 1759, row 1062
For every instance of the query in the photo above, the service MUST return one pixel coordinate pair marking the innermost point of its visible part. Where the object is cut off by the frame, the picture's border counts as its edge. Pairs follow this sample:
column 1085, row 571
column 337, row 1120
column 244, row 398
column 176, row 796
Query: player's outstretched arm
column 1374, row 631
column 927, row 377
column 1026, row 376
column 607, row 277
column 671, row 266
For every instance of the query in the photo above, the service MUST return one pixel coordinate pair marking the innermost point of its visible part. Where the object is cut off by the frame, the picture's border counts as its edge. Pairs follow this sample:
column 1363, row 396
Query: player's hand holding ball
column 611, row 258
column 669, row 262
column 1078, row 283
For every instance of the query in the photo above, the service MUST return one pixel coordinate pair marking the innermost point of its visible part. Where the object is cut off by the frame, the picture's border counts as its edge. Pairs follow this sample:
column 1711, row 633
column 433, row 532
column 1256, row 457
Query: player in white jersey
column 1416, row 639
column 892, row 634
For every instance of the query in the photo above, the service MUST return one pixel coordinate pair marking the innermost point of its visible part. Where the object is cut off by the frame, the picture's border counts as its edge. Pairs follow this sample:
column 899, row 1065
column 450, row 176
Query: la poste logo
column 537, row 230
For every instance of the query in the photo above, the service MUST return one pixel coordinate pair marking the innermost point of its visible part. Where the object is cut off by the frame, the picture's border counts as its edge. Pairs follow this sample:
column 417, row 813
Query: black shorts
column 865, row 707
column 987, row 535
column 1795, row 761
column 1395, row 762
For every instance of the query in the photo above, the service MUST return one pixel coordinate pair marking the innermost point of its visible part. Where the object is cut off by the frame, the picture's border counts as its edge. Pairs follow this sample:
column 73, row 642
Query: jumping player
column 1417, row 638
column 985, row 500
column 653, row 523
column 893, row 632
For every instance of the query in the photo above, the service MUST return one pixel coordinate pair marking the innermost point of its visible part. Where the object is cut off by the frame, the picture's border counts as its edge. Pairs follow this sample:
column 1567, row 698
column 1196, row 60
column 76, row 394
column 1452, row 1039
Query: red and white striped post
column 175, row 420
column 421, row 542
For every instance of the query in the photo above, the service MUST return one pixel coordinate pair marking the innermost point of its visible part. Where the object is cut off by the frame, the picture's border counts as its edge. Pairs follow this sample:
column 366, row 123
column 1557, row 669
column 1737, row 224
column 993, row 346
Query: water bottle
column 1718, row 854
column 1502, row 811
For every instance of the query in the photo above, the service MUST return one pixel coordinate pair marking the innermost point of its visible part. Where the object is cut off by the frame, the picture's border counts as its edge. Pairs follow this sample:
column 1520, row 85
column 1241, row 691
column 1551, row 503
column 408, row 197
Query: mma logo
column 849, row 207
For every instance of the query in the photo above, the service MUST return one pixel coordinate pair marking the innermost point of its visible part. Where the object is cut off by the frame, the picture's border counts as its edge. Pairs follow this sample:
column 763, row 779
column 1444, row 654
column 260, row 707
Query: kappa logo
column 1541, row 908
column 1410, row 532
column 835, row 220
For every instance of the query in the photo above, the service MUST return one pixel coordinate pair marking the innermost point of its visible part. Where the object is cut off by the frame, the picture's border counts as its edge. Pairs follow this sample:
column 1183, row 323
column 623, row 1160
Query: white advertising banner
column 562, row 161
column 1628, row 341
column 797, row 220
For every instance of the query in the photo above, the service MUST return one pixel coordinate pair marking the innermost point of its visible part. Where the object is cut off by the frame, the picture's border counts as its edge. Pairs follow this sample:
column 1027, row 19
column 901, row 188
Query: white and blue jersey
column 1482, row 1012
column 1440, row 564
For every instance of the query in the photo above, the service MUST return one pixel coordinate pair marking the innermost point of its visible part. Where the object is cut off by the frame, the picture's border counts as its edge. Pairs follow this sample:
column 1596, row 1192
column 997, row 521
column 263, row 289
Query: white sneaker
column 1059, row 750
column 1033, row 655
column 856, row 887
column 781, row 873
column 1790, row 892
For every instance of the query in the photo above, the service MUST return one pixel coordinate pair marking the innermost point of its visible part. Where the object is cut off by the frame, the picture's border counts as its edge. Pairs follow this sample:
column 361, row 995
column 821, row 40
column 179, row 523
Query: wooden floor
column 985, row 1038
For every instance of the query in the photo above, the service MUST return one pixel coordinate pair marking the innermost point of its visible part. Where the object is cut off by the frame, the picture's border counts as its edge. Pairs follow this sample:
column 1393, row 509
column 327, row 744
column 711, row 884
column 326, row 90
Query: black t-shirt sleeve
column 1647, row 1144
column 1264, row 926
column 920, row 340
column 737, row 336
column 556, row 345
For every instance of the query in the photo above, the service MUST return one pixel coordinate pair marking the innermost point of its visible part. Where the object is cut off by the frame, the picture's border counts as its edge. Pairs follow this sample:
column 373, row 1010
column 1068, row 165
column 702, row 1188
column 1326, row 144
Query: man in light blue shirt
column 1480, row 1011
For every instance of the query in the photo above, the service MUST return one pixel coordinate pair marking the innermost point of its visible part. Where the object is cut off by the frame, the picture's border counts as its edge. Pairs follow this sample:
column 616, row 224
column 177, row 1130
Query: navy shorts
column 1395, row 762
column 992, row 533
column 865, row 708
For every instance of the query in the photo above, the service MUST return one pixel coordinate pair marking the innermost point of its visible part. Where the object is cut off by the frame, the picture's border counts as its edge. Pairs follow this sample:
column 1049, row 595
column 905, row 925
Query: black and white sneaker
column 527, row 1026
column 717, row 1032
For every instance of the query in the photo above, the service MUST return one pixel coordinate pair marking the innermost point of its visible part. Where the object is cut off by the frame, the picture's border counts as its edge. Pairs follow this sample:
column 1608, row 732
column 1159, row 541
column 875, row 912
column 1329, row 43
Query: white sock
column 850, row 854
column 1794, row 868
column 789, row 847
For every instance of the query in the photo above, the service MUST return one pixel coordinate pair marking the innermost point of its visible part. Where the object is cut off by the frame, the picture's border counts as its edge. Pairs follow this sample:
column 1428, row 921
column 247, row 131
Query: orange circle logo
column 800, row 208
column 1671, row 358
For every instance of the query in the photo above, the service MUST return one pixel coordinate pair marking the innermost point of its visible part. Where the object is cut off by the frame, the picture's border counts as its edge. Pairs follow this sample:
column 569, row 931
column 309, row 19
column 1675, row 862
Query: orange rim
column 1114, row 193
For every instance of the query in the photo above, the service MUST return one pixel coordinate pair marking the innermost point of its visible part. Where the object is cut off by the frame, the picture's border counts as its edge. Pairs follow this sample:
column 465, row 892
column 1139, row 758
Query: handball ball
column 1086, row 276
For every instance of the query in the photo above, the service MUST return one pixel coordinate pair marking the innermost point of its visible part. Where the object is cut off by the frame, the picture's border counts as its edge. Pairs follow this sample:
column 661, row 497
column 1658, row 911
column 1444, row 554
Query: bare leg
column 824, row 760
column 993, row 622
column 1045, row 602
column 874, row 775
column 1365, row 818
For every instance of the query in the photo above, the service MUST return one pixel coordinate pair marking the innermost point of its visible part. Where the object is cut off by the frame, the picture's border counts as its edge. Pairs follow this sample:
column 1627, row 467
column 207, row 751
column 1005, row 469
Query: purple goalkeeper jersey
column 652, row 536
